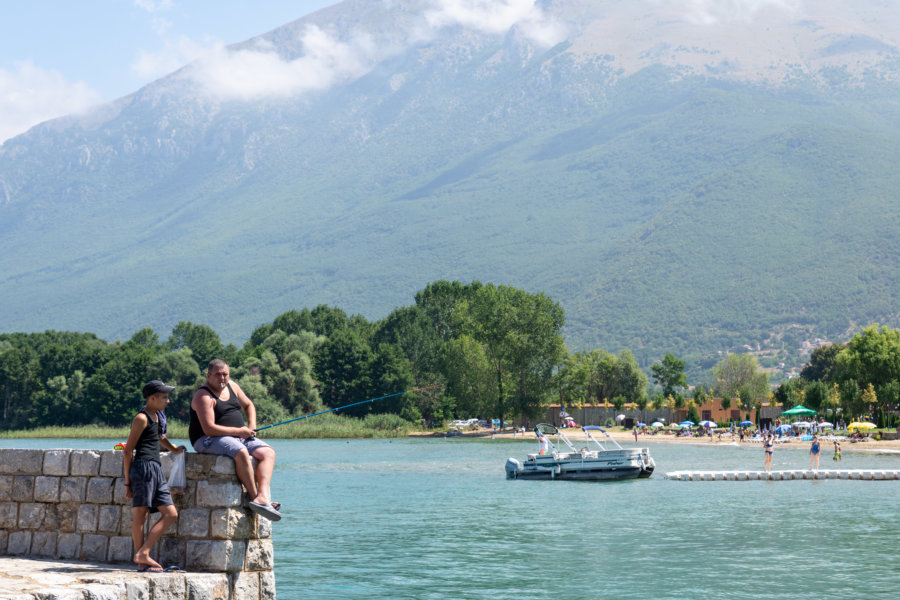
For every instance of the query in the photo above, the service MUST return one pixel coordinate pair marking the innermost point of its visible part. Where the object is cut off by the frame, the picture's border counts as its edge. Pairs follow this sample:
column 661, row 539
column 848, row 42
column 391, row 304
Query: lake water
column 436, row 518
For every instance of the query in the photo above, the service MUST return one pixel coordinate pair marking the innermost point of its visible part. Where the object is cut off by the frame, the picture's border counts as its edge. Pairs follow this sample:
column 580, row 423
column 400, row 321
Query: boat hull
column 604, row 466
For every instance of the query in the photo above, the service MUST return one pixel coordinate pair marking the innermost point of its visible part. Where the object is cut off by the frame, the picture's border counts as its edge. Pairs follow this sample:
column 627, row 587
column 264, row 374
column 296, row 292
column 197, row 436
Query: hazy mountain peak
column 751, row 40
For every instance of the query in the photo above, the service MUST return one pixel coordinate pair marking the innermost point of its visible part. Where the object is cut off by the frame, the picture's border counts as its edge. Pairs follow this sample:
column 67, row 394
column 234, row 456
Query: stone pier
column 70, row 506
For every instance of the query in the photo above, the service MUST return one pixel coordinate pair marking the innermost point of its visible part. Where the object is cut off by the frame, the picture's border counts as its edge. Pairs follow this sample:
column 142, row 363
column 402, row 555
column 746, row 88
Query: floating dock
column 859, row 474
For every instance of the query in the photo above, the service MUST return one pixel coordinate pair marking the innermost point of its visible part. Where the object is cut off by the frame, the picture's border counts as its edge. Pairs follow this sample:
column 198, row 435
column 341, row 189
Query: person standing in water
column 814, row 454
column 770, row 448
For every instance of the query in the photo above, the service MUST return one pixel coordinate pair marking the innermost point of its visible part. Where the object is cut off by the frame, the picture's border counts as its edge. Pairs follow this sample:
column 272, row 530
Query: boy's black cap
column 156, row 387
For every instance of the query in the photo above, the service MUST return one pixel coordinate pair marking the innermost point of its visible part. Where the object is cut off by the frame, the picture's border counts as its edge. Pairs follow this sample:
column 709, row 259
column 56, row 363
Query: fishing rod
column 348, row 406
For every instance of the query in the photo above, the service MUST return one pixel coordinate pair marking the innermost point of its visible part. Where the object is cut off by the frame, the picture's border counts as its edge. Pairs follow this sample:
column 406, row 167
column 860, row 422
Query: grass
column 324, row 426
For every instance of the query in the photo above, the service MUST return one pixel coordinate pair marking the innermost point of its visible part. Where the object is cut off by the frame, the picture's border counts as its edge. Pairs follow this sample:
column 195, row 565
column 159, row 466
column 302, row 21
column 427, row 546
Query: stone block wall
column 71, row 505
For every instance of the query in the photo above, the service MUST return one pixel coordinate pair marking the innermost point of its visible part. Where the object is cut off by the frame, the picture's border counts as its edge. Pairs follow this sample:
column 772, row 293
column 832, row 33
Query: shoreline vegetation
column 390, row 426
column 322, row 427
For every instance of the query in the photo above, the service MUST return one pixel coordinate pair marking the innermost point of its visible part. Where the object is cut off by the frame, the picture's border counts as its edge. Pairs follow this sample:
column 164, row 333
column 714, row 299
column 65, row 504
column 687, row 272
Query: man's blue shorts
column 148, row 485
column 226, row 445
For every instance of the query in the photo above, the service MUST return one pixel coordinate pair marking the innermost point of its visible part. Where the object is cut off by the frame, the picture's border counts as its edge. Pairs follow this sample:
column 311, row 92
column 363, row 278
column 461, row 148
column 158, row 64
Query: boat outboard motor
column 512, row 468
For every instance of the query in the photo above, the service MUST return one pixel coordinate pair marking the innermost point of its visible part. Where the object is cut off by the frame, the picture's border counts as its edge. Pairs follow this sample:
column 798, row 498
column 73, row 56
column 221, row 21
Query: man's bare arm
column 203, row 404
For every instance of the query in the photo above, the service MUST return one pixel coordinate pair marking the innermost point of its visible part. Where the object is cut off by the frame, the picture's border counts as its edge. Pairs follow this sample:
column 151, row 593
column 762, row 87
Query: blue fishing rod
column 348, row 406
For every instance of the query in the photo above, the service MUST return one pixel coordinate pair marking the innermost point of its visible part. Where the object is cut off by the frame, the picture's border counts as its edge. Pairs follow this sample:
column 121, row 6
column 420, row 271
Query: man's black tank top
column 227, row 414
column 147, row 447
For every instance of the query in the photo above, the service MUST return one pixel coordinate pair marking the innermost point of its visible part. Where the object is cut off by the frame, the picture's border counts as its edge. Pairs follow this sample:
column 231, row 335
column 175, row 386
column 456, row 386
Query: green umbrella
column 799, row 410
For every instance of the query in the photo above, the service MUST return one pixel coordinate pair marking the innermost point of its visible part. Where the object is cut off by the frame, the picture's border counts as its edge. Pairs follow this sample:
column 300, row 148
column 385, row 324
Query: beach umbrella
column 746, row 423
column 686, row 423
column 707, row 424
column 657, row 424
column 825, row 425
column 803, row 424
column 641, row 424
column 799, row 411
column 620, row 418
column 861, row 425
column 783, row 428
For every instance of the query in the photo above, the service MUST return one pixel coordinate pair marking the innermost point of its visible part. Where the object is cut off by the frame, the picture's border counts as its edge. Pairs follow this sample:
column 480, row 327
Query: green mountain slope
column 668, row 207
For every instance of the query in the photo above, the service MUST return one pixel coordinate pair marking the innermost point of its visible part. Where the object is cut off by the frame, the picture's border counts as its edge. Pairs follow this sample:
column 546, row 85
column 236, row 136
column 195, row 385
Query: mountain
column 682, row 175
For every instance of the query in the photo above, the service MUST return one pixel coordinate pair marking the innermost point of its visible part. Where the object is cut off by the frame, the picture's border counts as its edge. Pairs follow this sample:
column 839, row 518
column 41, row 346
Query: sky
column 63, row 56
column 60, row 57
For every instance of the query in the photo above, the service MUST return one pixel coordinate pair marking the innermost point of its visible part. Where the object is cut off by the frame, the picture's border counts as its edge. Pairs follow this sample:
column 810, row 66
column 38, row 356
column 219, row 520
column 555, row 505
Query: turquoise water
column 436, row 518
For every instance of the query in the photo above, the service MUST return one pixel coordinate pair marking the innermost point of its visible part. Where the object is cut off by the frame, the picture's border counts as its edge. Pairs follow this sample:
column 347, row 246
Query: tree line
column 495, row 351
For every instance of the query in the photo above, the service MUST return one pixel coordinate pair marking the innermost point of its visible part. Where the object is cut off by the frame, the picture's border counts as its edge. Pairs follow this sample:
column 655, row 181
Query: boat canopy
column 593, row 428
column 545, row 429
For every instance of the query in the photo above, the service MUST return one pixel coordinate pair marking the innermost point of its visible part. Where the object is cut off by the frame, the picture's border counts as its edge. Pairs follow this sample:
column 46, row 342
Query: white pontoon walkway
column 860, row 474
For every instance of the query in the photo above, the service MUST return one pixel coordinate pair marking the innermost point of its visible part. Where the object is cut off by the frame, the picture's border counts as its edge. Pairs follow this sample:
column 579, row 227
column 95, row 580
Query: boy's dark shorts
column 148, row 485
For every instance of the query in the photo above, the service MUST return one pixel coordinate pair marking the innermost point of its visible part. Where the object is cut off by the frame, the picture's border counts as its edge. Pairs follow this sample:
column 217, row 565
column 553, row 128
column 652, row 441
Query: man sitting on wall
column 217, row 427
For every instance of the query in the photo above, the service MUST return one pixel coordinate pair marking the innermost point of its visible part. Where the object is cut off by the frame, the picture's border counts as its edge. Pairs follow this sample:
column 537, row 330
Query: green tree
column 19, row 379
column 868, row 400
column 181, row 370
column 816, row 395
column 440, row 302
column 787, row 394
column 147, row 338
column 740, row 371
column 470, row 378
column 203, row 342
column 410, row 330
column 112, row 394
column 822, row 364
column 871, row 356
column 342, row 365
column 59, row 402
column 669, row 374
column 520, row 336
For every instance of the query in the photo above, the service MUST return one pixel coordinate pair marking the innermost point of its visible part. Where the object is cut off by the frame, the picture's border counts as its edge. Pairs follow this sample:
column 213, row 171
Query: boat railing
column 587, row 429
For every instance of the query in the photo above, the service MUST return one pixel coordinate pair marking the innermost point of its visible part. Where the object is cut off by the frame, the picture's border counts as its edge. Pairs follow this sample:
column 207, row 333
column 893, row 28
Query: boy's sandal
column 150, row 569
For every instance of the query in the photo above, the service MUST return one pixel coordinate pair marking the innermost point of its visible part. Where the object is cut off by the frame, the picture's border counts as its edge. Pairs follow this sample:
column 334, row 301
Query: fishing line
column 348, row 406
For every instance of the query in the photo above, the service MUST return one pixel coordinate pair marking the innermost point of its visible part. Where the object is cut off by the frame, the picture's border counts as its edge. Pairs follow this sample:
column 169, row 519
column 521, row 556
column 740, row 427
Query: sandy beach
column 626, row 437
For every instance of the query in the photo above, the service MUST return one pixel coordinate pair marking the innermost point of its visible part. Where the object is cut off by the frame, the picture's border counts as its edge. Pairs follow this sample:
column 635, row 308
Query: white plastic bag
column 177, row 476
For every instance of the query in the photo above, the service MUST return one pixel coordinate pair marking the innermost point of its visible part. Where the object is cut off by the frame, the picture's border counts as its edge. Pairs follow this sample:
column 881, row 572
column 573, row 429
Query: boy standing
column 144, row 479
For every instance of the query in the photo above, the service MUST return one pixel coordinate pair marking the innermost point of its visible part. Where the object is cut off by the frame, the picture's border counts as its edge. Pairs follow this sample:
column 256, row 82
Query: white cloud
column 248, row 74
column 30, row 94
column 153, row 5
column 497, row 17
column 327, row 60
column 714, row 12
column 175, row 53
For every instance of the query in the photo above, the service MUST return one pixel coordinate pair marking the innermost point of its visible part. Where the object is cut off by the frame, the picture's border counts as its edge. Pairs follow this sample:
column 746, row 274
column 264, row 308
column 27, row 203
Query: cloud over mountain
column 713, row 12
column 30, row 94
column 260, row 71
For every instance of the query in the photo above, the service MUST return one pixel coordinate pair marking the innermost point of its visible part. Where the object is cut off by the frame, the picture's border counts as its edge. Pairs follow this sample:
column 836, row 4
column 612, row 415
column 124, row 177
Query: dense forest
column 491, row 350
column 483, row 350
